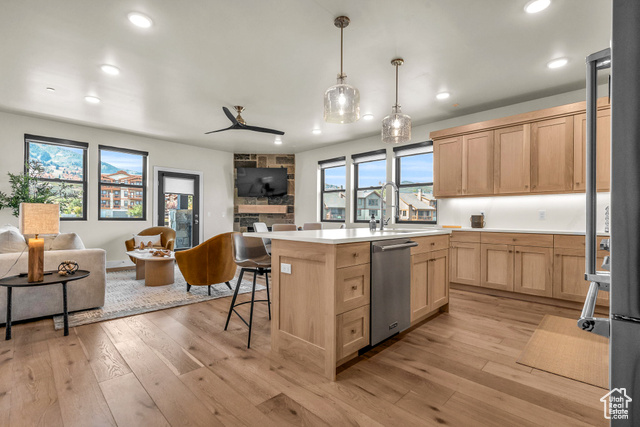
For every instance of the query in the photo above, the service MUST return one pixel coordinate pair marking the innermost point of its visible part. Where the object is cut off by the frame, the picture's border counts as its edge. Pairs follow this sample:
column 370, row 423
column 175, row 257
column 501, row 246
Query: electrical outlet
column 542, row 215
column 285, row 268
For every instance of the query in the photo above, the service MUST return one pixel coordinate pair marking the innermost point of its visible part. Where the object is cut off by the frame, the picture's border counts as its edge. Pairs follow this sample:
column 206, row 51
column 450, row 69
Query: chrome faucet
column 397, row 205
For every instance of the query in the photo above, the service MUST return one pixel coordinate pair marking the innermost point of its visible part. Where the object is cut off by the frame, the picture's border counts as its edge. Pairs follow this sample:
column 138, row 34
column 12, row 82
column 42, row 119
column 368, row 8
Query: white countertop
column 351, row 235
column 515, row 230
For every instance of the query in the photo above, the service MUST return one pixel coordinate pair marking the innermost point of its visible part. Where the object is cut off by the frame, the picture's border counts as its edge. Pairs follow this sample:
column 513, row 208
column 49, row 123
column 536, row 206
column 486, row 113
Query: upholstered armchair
column 208, row 263
column 167, row 238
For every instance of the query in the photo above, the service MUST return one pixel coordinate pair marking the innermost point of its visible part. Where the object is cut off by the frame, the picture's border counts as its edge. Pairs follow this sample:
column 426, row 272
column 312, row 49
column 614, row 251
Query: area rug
column 558, row 346
column 126, row 296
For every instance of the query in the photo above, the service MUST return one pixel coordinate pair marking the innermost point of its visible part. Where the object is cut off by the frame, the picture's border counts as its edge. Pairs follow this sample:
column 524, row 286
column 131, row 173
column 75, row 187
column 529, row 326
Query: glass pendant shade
column 341, row 103
column 396, row 127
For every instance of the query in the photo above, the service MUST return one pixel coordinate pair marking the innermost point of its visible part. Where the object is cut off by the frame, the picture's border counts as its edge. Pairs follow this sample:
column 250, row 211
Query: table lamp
column 38, row 218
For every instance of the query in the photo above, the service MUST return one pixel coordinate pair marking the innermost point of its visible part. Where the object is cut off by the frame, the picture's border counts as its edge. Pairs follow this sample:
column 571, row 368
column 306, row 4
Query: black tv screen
column 261, row 182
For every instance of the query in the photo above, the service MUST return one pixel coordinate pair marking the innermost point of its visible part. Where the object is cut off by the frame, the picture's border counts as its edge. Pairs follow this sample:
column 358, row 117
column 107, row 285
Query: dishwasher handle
column 409, row 244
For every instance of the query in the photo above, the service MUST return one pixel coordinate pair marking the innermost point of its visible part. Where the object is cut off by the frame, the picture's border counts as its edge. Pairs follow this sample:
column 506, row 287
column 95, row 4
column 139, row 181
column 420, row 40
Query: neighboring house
column 368, row 203
column 334, row 205
column 417, row 207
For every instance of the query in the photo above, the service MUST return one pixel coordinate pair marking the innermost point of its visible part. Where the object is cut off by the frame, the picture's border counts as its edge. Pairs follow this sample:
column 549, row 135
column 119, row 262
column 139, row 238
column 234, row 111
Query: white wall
column 217, row 167
column 563, row 212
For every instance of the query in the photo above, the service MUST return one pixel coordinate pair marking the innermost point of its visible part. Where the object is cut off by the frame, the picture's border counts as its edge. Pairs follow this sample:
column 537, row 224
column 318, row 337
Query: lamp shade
column 39, row 218
column 341, row 103
column 396, row 127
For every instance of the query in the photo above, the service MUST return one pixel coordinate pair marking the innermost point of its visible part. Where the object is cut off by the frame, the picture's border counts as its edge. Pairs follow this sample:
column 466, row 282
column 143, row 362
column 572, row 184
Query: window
column 370, row 172
column 123, row 184
column 64, row 165
column 333, row 182
column 414, row 176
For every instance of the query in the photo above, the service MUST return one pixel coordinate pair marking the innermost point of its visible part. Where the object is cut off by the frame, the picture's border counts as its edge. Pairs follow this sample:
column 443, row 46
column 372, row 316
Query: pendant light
column 341, row 101
column 396, row 127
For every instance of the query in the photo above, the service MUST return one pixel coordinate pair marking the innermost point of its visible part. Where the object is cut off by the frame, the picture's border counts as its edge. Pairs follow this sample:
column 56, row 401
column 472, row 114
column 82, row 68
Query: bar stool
column 312, row 226
column 251, row 256
column 284, row 227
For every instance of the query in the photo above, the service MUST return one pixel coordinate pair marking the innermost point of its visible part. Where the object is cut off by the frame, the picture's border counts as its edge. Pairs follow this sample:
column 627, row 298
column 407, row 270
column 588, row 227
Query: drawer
column 430, row 243
column 465, row 236
column 521, row 239
column 572, row 242
column 353, row 254
column 352, row 331
column 353, row 287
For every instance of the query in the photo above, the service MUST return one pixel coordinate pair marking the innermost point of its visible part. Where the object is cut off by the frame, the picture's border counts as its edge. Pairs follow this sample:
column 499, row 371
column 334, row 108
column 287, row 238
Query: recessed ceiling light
column 92, row 99
column 278, row 140
column 443, row 95
column 557, row 63
column 316, row 131
column 110, row 69
column 535, row 6
column 368, row 116
column 140, row 20
column 51, row 89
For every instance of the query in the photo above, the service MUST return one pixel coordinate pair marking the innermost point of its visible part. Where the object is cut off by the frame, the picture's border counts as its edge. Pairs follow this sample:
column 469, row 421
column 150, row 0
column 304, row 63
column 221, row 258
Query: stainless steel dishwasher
column 390, row 288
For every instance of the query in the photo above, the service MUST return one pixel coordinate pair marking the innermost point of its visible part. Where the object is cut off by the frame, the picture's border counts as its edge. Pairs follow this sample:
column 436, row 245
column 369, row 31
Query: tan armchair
column 167, row 238
column 208, row 263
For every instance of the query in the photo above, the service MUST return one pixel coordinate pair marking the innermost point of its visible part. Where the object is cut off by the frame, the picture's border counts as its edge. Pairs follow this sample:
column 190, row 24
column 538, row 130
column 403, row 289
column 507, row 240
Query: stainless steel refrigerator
column 623, row 324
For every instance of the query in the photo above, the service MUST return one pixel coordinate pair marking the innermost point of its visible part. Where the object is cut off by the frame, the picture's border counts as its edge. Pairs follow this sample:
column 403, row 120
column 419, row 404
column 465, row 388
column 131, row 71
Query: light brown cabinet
column 568, row 276
column 447, row 166
column 352, row 332
column 465, row 263
column 552, row 155
column 477, row 163
column 533, row 267
column 496, row 266
column 429, row 282
column 512, row 160
column 603, row 148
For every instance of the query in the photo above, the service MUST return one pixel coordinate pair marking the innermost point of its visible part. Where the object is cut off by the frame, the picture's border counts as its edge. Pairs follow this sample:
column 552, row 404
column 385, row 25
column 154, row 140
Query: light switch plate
column 542, row 215
column 285, row 268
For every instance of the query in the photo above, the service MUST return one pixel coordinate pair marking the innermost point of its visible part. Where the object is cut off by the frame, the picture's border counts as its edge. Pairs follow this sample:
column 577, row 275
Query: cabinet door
column 447, row 155
column 533, row 270
column 352, row 331
column 438, row 279
column 477, row 163
column 568, row 276
column 419, row 285
column 496, row 266
column 552, row 155
column 511, row 160
column 603, row 148
column 465, row 263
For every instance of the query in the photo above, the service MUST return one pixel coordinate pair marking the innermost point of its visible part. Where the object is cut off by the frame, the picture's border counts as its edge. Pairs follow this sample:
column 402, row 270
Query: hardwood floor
column 178, row 367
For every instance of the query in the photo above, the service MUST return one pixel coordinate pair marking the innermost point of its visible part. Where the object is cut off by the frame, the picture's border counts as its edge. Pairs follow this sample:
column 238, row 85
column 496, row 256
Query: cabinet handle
column 577, row 183
column 354, row 287
column 510, row 251
column 353, row 331
column 526, row 186
column 356, row 254
column 533, row 186
column 517, row 252
column 433, row 243
column 557, row 254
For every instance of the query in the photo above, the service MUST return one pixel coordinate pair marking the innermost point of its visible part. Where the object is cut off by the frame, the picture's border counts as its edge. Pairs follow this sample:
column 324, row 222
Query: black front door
column 179, row 206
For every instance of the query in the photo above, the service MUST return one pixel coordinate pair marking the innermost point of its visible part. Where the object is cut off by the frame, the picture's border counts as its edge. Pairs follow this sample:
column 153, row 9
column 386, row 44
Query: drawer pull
column 353, row 331
column 510, row 251
column 356, row 254
column 354, row 287
column 517, row 252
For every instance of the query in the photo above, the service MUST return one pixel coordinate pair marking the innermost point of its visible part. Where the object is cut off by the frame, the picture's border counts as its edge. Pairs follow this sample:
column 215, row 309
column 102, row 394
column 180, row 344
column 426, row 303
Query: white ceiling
column 277, row 57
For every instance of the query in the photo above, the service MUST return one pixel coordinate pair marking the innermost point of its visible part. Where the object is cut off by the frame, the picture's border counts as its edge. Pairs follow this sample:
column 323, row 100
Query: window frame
column 323, row 191
column 143, row 187
column 355, row 183
column 63, row 143
column 417, row 184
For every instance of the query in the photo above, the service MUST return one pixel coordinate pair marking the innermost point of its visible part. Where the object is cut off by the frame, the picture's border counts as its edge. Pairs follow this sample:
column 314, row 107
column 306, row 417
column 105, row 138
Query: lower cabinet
column 496, row 266
column 465, row 263
column 352, row 332
column 568, row 276
column 429, row 282
column 533, row 271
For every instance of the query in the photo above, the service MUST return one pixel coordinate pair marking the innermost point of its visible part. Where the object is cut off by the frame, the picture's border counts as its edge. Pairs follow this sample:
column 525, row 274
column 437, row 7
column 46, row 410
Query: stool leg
column 7, row 335
column 209, row 289
column 65, row 309
column 233, row 300
column 266, row 276
column 228, row 285
column 253, row 297
column 188, row 287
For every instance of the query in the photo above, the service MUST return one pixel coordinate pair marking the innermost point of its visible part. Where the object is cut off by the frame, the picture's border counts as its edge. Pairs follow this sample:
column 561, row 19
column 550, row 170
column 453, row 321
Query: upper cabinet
column 447, row 167
column 512, row 160
column 533, row 153
column 603, row 149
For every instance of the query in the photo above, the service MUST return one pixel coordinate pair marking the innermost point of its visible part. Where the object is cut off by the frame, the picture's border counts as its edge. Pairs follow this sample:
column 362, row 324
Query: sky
column 132, row 162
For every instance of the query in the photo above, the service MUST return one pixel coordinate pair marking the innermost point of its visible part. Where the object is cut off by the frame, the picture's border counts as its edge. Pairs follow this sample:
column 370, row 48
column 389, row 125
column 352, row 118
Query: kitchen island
column 321, row 290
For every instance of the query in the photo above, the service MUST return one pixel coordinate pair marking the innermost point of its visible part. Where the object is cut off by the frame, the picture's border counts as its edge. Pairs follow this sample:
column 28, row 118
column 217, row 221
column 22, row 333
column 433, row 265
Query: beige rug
column 126, row 296
column 558, row 346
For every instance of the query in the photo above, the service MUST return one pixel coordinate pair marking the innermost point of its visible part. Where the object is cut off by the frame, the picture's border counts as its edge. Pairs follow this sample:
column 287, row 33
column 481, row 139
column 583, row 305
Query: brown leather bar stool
column 251, row 256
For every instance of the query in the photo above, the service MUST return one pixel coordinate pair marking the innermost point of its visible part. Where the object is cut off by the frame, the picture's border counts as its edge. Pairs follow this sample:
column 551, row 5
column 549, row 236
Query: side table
column 49, row 279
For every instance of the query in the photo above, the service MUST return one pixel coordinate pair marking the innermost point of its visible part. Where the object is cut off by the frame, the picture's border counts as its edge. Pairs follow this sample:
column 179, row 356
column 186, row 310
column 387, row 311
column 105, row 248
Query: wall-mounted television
column 261, row 182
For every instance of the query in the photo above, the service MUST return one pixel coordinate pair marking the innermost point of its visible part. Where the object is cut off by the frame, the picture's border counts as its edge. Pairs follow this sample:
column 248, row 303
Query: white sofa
column 40, row 301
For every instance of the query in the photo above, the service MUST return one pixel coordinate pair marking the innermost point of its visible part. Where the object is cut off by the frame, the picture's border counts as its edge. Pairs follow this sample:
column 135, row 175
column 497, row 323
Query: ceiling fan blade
column 259, row 129
column 229, row 115
column 222, row 130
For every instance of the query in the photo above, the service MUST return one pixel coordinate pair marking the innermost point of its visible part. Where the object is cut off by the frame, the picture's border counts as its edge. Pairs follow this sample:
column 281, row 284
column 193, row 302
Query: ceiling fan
column 239, row 123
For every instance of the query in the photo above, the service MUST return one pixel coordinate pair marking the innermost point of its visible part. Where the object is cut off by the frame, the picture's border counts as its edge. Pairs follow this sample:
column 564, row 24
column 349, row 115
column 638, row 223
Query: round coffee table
column 50, row 278
column 156, row 271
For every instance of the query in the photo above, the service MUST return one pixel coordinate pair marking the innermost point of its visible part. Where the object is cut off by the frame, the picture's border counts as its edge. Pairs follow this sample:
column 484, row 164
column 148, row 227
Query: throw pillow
column 67, row 241
column 11, row 240
column 154, row 240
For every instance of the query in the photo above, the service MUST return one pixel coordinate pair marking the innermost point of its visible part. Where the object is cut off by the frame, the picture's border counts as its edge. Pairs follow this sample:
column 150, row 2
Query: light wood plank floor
column 178, row 367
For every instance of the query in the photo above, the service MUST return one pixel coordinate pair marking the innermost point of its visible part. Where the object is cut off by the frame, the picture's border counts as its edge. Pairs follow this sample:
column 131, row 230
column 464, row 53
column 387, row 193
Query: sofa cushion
column 11, row 240
column 154, row 240
column 65, row 241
